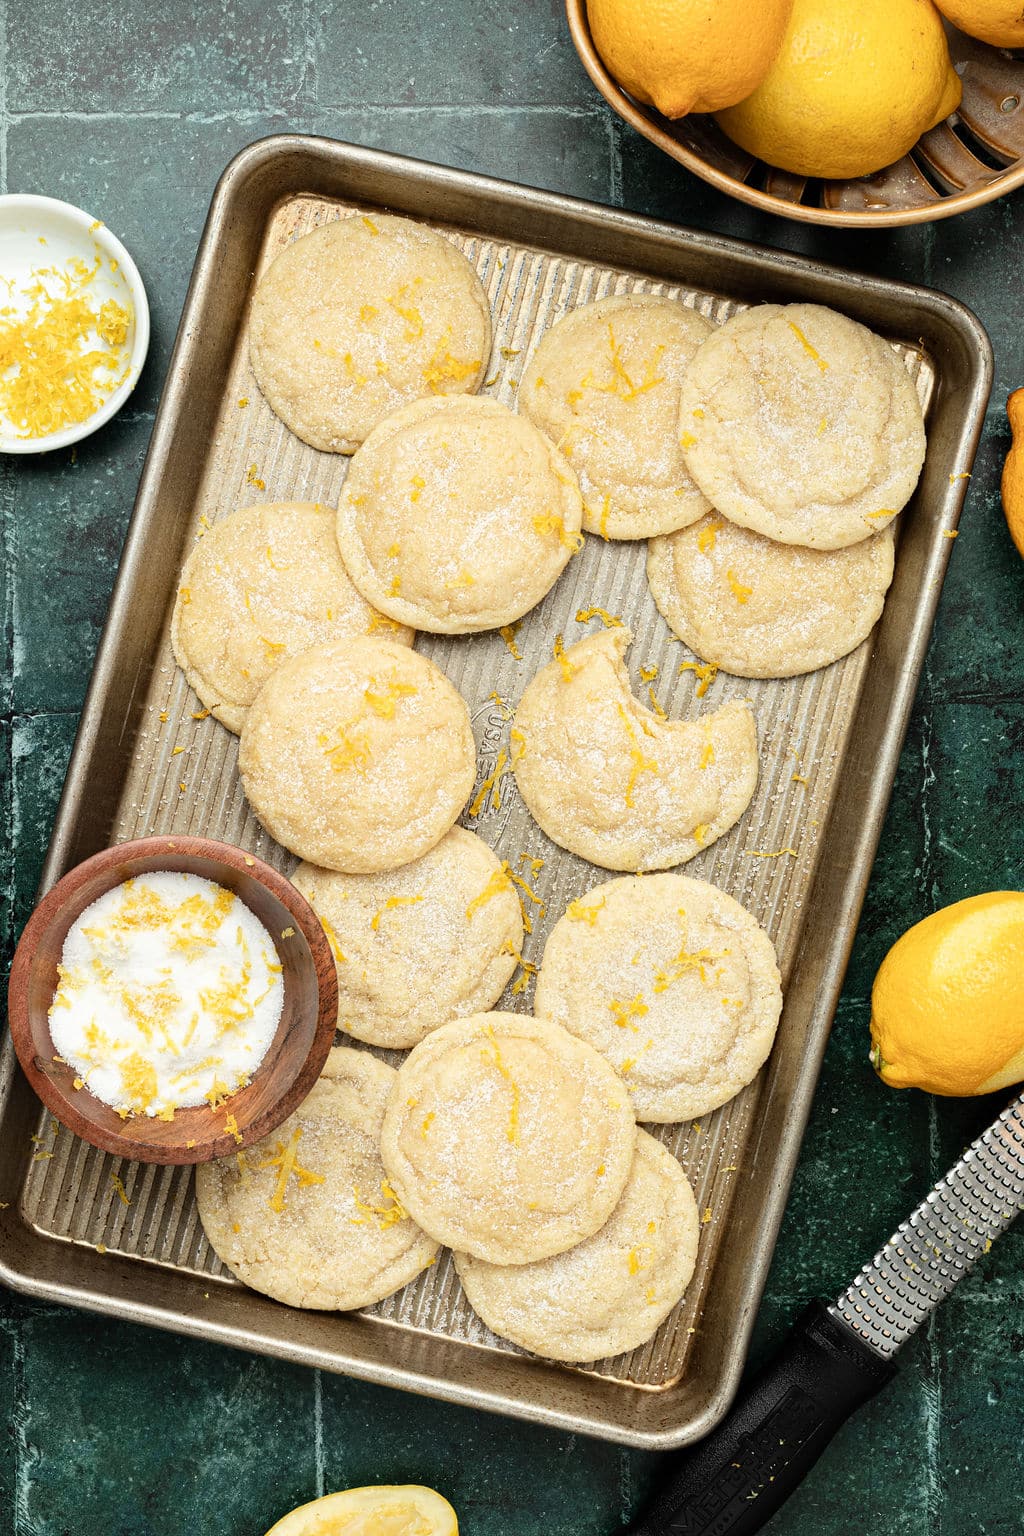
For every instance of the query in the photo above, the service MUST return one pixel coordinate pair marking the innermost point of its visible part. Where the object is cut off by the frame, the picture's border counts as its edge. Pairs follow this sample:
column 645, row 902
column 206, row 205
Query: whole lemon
column 854, row 85
column 688, row 55
column 993, row 21
column 947, row 1006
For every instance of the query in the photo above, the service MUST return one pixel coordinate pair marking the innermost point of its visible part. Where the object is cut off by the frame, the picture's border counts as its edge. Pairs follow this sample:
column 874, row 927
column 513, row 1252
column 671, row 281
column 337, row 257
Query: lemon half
column 382, row 1510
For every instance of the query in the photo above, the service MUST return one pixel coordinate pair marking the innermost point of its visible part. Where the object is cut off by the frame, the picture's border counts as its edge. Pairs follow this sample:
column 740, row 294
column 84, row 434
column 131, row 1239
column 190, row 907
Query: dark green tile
column 150, row 180
column 864, row 1166
column 134, row 1433
column 975, row 802
column 980, row 1416
column 500, row 1476
column 544, row 147
column 40, row 747
column 11, row 1407
column 976, row 651
column 415, row 52
column 70, row 511
column 188, row 56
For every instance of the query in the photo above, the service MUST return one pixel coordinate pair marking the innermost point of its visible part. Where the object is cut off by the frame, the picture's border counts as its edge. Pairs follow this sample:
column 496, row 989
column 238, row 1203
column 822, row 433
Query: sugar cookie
column 458, row 512
column 260, row 586
column 610, row 1293
column 801, row 424
column 604, row 385
column 612, row 782
column 760, row 609
column 357, row 755
column 358, row 318
column 508, row 1137
column 307, row 1215
column 671, row 980
column 432, row 941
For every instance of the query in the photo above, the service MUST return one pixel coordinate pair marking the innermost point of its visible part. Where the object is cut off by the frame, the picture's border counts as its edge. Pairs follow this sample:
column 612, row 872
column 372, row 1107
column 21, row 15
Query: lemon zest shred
column 499, row 881
column 386, row 1215
column 119, row 1189
column 390, row 905
column 758, row 853
column 508, row 633
column 639, row 763
column 609, row 620
column 285, row 1160
column 489, row 785
column 811, row 350
column 708, row 534
column 332, row 939
column 550, row 522
column 512, row 1130
column 704, row 673
column 578, row 912
column 739, row 591
column 568, row 670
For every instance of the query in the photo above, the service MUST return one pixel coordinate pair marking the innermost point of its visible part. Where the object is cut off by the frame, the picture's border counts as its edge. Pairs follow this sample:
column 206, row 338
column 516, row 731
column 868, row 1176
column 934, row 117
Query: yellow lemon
column 1013, row 471
column 384, row 1510
column 855, row 84
column 688, row 55
column 947, row 1007
column 993, row 21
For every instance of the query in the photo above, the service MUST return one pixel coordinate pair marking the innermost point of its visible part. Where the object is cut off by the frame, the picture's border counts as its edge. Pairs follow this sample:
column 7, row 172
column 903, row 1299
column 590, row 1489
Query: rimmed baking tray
column 799, row 859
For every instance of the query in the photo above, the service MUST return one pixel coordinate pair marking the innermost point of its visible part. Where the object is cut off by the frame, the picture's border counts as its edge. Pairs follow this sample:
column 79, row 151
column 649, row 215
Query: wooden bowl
column 297, row 1052
column 973, row 157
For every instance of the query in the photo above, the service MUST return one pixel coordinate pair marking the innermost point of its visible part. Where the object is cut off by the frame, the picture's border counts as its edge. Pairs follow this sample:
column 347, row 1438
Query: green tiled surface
column 132, row 111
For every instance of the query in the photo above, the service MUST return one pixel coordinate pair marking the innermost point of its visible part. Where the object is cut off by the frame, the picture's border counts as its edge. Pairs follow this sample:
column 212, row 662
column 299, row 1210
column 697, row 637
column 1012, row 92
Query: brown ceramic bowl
column 976, row 155
column 297, row 1052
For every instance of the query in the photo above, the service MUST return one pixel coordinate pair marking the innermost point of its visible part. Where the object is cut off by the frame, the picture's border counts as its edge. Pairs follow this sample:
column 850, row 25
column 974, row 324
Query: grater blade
column 936, row 1246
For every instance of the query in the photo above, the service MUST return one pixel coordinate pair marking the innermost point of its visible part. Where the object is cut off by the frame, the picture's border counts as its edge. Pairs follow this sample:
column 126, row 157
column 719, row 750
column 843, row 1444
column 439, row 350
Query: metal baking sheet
column 799, row 859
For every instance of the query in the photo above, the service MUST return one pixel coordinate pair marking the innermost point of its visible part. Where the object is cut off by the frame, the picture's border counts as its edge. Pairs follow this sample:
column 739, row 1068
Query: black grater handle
column 732, row 1482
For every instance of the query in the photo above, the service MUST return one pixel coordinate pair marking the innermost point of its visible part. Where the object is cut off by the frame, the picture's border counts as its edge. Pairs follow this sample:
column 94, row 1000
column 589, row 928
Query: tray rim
column 41, row 1273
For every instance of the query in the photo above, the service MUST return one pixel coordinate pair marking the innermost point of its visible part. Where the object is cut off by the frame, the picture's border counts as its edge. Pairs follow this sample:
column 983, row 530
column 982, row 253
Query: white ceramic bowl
column 40, row 232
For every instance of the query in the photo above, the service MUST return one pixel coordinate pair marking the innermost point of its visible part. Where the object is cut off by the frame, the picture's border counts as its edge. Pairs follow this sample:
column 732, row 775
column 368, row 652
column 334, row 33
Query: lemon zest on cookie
column 739, row 591
column 383, row 703
column 811, row 350
column 390, row 905
column 371, row 226
column 512, row 1131
column 286, row 1162
column 550, row 522
column 568, row 670
column 707, row 535
column 381, row 621
column 498, row 882
column 624, row 1012
column 517, row 739
column 332, row 939
column 386, row 1215
column 639, row 763
column 579, row 912
column 344, row 752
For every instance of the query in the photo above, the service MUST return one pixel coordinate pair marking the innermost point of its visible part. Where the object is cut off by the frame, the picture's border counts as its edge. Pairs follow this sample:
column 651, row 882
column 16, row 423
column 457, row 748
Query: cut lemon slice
column 381, row 1510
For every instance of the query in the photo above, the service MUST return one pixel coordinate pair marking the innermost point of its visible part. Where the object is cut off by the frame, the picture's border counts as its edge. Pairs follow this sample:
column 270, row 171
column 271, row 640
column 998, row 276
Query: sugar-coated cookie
column 508, row 1138
column 361, row 316
column 307, row 1215
column 260, row 586
column 460, row 513
column 761, row 609
column 358, row 755
column 612, row 782
column 604, row 384
column 420, row 945
column 801, row 424
column 610, row 1293
column 673, row 981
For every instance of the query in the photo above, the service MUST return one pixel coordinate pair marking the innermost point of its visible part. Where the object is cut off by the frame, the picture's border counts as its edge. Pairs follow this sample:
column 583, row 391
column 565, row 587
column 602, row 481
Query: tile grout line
column 369, row 108
column 318, row 1431
column 615, row 161
column 24, row 1458
column 4, row 114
